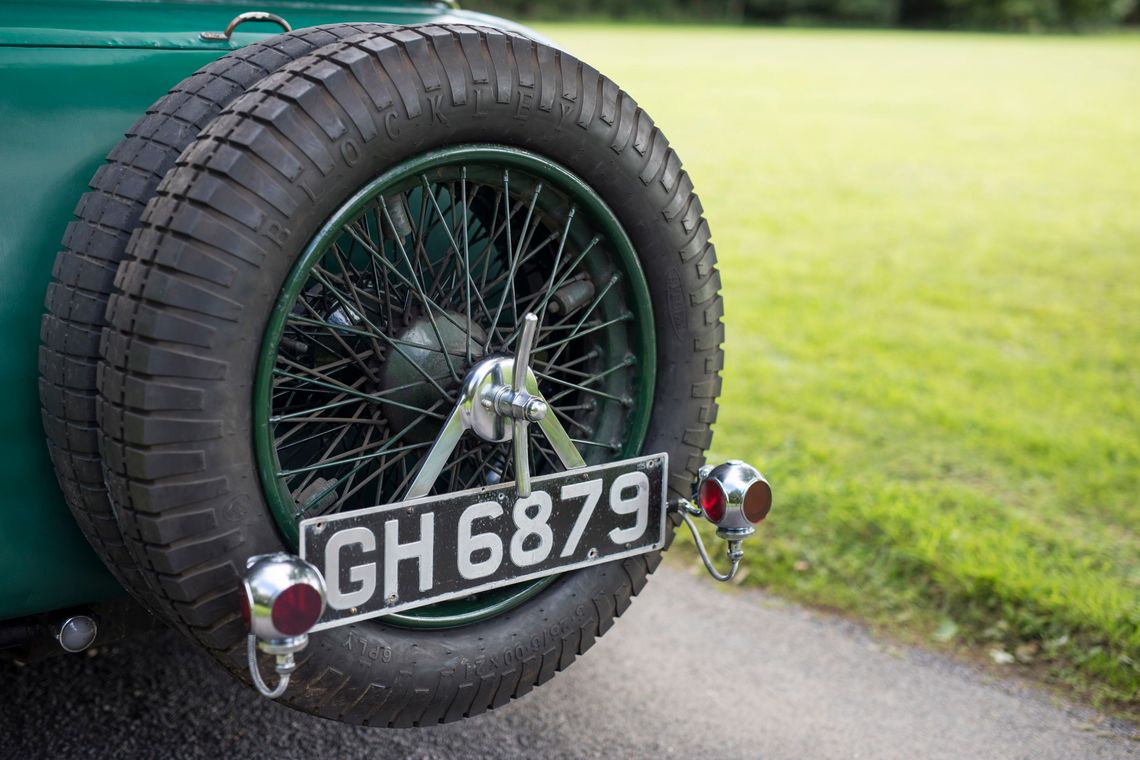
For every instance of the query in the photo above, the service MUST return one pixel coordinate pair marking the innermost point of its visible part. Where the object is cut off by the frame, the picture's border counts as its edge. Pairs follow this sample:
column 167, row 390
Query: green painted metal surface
column 178, row 26
column 73, row 77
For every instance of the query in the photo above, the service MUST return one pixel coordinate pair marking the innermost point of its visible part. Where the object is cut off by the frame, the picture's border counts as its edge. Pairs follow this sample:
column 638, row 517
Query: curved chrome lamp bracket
column 688, row 510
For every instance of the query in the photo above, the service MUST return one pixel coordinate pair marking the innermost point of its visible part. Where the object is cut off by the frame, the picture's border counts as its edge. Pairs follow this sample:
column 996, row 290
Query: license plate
column 397, row 557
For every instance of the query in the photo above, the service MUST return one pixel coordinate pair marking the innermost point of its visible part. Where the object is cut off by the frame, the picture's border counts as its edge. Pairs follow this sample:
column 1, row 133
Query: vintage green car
column 381, row 348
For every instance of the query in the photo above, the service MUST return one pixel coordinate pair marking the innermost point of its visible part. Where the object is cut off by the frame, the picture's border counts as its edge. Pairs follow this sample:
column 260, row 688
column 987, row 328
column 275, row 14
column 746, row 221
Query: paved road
column 658, row 685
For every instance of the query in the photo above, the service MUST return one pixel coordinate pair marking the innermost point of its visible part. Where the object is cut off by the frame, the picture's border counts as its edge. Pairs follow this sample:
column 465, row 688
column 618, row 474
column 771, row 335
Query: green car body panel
column 74, row 76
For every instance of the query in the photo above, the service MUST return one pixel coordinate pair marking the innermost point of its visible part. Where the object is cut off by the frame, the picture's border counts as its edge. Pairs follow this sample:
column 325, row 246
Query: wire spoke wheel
column 425, row 271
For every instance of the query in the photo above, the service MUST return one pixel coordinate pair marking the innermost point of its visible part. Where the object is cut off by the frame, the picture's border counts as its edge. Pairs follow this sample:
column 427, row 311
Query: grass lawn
column 930, row 252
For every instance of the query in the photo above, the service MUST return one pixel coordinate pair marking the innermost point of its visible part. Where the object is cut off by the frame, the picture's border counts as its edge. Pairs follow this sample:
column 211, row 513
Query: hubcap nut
column 536, row 410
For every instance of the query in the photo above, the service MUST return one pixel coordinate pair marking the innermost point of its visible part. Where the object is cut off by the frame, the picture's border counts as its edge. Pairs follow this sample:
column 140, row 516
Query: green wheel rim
column 423, row 271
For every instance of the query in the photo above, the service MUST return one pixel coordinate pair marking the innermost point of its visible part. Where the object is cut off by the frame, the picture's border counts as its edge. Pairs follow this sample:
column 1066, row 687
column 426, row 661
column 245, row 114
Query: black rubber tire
column 205, row 269
column 94, row 244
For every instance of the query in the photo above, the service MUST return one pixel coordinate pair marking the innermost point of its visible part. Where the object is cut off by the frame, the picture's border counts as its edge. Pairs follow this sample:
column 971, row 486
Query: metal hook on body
column 242, row 18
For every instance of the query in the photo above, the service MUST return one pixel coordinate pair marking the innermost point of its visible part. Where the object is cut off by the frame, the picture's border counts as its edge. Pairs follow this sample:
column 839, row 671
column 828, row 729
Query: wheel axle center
column 417, row 354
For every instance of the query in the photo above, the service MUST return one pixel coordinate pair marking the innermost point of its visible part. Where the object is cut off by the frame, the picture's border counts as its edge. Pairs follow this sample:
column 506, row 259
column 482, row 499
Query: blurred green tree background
column 1005, row 15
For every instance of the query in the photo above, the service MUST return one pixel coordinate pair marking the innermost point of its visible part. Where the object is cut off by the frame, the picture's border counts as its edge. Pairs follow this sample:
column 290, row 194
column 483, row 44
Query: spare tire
column 94, row 244
column 274, row 347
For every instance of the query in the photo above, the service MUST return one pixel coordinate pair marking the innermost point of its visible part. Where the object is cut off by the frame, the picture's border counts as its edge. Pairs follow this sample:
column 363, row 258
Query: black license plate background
column 594, row 546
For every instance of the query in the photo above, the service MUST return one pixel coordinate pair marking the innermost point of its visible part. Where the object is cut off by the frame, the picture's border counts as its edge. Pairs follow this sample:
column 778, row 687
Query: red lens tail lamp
column 735, row 498
column 282, row 598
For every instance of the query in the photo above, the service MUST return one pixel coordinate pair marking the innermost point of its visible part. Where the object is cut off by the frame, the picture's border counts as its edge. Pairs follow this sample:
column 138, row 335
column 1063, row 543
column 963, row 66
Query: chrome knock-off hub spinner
column 498, row 402
column 489, row 405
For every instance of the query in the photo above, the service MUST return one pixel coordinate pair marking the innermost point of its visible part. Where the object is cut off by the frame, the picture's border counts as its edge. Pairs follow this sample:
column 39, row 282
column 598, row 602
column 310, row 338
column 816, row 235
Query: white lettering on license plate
column 481, row 552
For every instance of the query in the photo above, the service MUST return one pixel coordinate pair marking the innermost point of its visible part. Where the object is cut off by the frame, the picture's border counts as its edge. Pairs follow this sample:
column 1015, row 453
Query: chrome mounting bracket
column 498, row 402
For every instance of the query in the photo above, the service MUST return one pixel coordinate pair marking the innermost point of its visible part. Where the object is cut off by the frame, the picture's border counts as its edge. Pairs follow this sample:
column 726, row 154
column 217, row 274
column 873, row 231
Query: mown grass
column 930, row 250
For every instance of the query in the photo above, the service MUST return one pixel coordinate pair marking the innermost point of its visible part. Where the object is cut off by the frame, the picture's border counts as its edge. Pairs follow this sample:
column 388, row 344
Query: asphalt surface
column 689, row 671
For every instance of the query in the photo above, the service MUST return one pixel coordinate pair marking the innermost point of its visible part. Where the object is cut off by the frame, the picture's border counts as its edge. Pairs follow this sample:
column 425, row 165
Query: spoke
column 336, row 403
column 377, row 473
column 524, row 241
column 390, row 267
column 389, row 463
column 374, row 256
column 485, row 254
column 456, row 465
column 601, row 326
column 589, row 380
column 558, row 258
column 318, row 321
column 403, row 485
column 329, row 384
column 548, row 455
column 526, row 258
column 301, row 416
column 389, row 443
column 319, row 420
column 381, row 396
column 368, row 334
column 423, row 296
column 592, row 354
column 281, row 390
column 610, row 446
column 586, row 315
column 363, row 447
column 395, row 346
column 549, row 292
column 341, row 392
column 567, row 418
column 331, row 489
column 377, row 244
column 299, row 441
column 510, row 260
column 342, row 363
column 494, row 454
column 420, row 251
column 466, row 261
column 337, row 329
column 293, row 333
column 576, row 387
column 590, row 405
column 447, row 228
column 562, row 369
column 352, row 291
column 601, row 394
column 331, row 447
column 349, row 460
